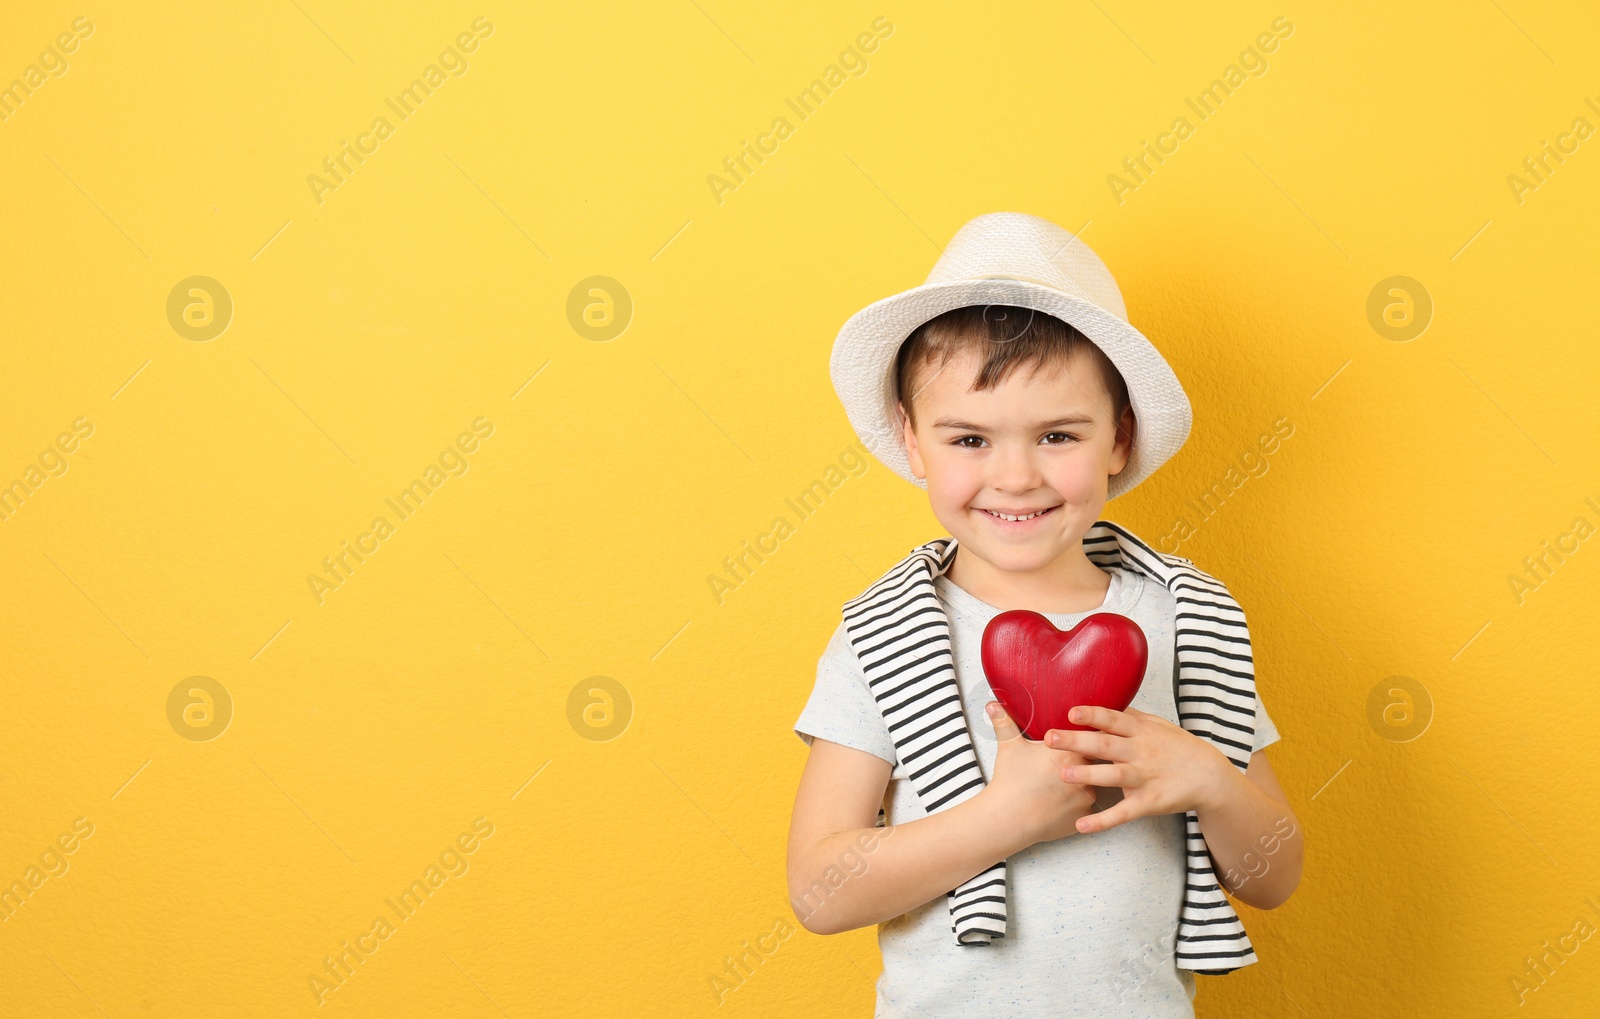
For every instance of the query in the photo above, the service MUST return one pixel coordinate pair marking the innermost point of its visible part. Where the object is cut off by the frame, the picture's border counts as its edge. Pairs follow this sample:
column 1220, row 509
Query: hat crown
column 1015, row 245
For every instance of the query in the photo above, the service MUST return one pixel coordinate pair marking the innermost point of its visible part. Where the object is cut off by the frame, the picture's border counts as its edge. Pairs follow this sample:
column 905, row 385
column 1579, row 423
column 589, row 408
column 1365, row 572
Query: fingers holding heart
column 1104, row 775
column 1122, row 723
column 1160, row 767
column 1104, row 746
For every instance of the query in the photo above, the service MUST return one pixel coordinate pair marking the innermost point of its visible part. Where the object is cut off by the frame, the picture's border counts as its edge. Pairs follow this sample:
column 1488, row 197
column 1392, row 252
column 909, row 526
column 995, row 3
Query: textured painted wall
column 384, row 390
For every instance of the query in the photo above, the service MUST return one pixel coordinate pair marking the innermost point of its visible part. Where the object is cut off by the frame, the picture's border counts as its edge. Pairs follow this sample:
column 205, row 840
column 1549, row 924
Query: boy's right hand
column 1027, row 785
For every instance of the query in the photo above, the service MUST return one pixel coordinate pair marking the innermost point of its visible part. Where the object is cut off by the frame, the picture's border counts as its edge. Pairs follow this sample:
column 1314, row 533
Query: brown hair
column 1007, row 337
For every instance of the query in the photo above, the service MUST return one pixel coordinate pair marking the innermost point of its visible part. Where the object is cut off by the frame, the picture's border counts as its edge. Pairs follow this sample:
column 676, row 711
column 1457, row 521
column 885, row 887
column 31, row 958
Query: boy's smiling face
column 1041, row 441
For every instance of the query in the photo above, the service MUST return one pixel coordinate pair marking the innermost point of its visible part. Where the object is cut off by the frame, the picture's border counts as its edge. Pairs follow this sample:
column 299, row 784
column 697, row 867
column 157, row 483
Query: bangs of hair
column 1006, row 338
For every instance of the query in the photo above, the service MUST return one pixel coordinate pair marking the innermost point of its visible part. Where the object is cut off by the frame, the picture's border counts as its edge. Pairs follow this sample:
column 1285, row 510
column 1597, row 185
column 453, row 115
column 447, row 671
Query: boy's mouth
column 1016, row 519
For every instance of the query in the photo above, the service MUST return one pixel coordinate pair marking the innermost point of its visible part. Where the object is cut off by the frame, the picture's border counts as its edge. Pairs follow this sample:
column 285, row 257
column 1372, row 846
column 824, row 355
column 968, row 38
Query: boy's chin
column 1013, row 556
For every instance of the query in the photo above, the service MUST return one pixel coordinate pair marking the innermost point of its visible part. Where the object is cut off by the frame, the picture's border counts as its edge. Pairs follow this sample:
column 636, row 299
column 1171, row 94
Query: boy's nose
column 1014, row 469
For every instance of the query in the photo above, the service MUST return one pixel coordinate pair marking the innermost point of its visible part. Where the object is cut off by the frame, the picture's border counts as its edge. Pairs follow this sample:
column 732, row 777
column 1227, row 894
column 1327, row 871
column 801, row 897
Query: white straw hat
column 1010, row 258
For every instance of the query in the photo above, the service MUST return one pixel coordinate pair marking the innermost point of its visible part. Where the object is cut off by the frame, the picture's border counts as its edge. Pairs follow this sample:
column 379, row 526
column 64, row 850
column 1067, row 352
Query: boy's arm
column 845, row 873
column 1256, row 841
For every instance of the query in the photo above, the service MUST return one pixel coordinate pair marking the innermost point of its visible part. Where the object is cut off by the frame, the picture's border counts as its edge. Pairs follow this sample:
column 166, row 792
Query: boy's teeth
column 1004, row 516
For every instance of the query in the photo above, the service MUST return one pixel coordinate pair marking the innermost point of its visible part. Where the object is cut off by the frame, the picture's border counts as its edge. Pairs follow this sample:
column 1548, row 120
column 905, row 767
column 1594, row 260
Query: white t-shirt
column 1091, row 918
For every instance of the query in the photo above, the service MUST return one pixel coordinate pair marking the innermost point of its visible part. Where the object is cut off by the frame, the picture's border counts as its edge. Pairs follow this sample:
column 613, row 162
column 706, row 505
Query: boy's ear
column 909, row 435
column 1122, row 447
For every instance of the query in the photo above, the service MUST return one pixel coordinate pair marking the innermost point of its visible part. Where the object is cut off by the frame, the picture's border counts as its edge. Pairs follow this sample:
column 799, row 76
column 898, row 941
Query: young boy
column 1077, row 875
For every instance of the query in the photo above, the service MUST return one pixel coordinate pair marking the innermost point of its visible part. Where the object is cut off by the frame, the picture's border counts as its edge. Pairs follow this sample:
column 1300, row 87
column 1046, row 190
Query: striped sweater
column 901, row 635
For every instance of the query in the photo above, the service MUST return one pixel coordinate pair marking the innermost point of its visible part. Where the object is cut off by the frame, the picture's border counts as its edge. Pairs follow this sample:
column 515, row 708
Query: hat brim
column 862, row 364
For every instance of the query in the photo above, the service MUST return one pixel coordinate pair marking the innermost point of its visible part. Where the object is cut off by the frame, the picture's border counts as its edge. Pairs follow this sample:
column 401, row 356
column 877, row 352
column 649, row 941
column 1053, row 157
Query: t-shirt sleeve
column 841, row 708
column 1266, row 731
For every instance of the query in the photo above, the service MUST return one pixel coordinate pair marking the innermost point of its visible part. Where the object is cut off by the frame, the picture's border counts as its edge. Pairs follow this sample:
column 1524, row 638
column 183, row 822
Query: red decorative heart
column 1039, row 673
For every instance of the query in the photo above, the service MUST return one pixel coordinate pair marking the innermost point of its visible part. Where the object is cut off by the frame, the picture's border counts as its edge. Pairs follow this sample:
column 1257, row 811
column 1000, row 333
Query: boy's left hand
column 1160, row 767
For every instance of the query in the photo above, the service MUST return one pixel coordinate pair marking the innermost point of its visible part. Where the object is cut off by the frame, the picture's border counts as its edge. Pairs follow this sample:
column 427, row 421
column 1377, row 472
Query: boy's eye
column 963, row 444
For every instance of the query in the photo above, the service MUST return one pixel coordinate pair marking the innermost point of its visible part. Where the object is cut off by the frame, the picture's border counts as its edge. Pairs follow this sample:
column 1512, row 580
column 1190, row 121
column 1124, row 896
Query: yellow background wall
column 637, row 833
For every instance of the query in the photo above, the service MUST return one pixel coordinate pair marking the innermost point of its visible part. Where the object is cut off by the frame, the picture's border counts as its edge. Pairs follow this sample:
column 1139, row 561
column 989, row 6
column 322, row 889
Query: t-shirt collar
column 1120, row 596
